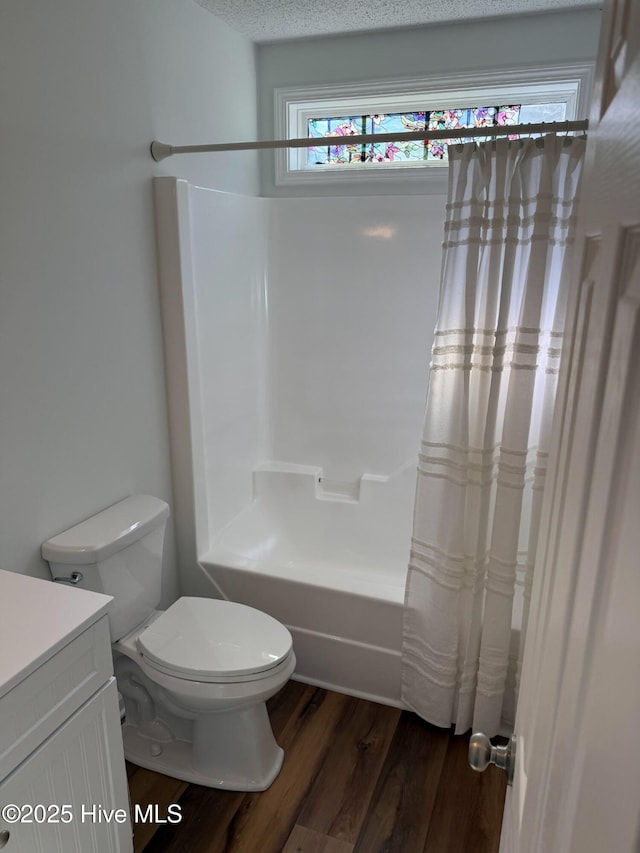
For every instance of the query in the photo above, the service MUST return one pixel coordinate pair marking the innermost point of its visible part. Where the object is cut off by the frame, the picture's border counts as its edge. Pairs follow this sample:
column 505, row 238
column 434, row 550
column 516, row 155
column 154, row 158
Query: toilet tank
column 118, row 552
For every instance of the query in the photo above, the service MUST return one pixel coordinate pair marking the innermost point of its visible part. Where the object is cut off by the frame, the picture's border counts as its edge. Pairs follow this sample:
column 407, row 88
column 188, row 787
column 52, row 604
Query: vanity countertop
column 37, row 619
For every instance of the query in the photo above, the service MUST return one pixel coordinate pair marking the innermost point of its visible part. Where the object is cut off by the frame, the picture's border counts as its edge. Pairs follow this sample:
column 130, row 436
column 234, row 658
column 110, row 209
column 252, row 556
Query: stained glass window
column 334, row 132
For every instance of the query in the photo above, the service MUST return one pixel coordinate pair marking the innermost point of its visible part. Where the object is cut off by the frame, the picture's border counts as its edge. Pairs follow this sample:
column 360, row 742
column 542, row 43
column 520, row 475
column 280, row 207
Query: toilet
column 195, row 677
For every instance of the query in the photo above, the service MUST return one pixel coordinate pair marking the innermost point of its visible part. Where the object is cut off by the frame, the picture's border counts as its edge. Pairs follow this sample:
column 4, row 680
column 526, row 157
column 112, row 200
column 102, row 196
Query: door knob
column 482, row 753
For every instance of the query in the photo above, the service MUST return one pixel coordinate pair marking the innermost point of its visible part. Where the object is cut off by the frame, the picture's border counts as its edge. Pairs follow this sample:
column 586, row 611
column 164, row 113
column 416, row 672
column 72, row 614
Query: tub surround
column 296, row 381
column 297, row 518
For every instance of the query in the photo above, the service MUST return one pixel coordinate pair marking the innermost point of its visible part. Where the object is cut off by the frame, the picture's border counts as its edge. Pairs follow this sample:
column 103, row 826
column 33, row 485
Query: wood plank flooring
column 358, row 777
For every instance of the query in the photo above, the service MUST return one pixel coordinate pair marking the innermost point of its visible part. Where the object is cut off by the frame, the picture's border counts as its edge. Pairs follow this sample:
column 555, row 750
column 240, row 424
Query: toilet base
column 176, row 760
column 213, row 734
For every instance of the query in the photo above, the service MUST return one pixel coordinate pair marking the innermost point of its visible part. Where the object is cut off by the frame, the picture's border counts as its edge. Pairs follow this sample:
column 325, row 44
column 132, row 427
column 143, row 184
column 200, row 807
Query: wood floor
column 357, row 777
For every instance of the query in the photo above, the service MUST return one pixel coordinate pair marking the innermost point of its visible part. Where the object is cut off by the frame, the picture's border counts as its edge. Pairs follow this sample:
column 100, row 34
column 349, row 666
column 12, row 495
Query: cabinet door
column 79, row 767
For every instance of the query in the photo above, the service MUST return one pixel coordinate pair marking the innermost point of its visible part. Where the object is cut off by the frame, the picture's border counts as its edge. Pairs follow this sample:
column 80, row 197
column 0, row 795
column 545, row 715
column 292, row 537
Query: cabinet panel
column 81, row 765
column 43, row 701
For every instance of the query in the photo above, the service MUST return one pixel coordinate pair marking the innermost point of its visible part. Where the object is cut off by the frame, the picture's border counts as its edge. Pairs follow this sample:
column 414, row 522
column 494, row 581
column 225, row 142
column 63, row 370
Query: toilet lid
column 200, row 638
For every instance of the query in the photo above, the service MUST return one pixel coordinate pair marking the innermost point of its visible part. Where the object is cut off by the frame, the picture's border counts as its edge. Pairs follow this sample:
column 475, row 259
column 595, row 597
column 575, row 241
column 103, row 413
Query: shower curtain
column 481, row 470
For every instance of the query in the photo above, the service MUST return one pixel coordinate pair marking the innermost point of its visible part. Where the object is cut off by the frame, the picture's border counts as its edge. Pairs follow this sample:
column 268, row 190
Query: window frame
column 294, row 106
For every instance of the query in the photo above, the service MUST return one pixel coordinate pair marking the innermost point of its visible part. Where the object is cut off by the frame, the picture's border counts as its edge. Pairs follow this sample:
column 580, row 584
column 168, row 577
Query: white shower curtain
column 494, row 369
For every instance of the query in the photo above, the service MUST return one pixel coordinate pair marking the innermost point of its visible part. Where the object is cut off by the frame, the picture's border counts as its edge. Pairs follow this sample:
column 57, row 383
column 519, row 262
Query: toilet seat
column 207, row 640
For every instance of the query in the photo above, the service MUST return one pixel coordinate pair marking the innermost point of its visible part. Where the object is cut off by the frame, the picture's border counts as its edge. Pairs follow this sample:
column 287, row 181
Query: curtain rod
column 160, row 150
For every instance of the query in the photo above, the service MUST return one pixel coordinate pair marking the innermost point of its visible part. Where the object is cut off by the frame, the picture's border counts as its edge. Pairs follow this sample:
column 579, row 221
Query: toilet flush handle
column 73, row 579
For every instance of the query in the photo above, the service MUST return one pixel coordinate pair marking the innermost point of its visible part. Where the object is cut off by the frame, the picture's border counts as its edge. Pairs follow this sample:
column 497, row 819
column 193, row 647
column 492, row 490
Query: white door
column 577, row 779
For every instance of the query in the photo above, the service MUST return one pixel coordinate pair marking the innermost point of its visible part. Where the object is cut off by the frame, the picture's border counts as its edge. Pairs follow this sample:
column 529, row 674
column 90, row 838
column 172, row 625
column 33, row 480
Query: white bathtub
column 329, row 560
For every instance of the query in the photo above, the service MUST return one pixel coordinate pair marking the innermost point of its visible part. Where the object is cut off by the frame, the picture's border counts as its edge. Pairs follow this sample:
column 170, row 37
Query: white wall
column 489, row 45
column 84, row 87
column 353, row 292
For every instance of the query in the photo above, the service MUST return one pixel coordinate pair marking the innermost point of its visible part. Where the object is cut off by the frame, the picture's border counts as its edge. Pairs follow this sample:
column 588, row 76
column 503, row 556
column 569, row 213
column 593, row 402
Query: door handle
column 482, row 753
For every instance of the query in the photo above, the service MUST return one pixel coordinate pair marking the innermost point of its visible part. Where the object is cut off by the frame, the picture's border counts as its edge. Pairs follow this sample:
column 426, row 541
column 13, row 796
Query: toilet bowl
column 207, row 667
column 195, row 677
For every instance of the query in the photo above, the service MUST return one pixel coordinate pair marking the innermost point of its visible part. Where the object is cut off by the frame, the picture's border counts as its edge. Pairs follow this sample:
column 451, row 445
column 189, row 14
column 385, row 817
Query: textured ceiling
column 275, row 20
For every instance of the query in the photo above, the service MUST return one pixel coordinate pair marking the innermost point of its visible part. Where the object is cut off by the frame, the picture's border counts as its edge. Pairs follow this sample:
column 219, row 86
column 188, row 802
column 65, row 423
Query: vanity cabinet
column 62, row 772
